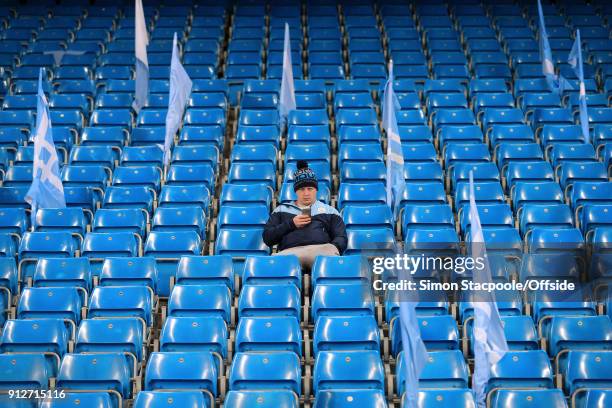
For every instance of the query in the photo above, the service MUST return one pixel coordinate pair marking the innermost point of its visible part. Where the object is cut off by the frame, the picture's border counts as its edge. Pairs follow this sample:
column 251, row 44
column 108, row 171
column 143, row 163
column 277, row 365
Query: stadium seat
column 348, row 369
column 111, row 335
column 268, row 334
column 25, row 371
column 183, row 370
column 524, row 398
column 585, row 369
column 129, row 271
column 153, row 399
column 348, row 299
column 52, row 272
column 200, row 300
column 122, row 301
column 37, row 336
column 262, row 371
column 444, row 369
column 188, row 195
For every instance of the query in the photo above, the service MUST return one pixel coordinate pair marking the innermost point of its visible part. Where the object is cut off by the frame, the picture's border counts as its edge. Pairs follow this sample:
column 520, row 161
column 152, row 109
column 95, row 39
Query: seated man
column 306, row 227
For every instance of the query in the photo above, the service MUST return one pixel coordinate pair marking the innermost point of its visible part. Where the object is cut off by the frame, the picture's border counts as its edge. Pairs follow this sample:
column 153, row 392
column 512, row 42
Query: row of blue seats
column 583, row 372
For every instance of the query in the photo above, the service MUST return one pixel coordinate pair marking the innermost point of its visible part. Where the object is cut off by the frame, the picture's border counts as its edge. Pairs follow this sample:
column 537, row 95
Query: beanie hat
column 304, row 176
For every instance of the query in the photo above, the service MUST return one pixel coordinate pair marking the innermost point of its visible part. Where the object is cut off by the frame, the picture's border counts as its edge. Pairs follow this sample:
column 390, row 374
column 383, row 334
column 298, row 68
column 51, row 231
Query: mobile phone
column 306, row 211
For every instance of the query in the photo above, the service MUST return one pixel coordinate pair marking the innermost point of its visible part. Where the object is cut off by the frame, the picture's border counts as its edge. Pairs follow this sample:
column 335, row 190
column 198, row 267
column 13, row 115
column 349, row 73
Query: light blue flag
column 142, row 63
column 556, row 83
column 415, row 353
column 180, row 88
column 489, row 339
column 575, row 61
column 287, row 91
column 46, row 190
column 395, row 157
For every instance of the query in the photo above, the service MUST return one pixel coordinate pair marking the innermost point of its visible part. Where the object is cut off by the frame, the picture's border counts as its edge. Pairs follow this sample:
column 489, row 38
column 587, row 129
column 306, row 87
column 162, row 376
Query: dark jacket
column 326, row 227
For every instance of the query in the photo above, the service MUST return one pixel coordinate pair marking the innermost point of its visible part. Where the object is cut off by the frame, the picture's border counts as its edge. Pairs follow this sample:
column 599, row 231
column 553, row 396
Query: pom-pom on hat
column 304, row 176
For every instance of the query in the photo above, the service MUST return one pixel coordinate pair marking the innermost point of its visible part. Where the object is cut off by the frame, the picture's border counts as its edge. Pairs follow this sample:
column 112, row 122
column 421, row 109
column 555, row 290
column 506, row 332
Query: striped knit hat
column 304, row 176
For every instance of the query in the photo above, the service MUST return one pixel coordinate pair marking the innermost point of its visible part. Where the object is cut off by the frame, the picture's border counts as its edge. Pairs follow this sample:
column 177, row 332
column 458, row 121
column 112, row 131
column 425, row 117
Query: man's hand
column 301, row 220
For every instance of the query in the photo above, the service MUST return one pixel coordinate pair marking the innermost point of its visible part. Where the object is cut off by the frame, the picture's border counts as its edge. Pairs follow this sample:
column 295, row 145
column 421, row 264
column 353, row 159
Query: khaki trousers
column 307, row 253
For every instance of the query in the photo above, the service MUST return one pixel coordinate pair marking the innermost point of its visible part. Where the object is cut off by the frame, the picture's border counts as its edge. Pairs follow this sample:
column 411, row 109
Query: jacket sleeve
column 338, row 233
column 275, row 229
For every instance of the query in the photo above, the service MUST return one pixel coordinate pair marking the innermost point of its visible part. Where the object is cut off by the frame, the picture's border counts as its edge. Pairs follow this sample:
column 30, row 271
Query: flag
column 575, row 61
column 180, row 88
column 415, row 353
column 142, row 63
column 556, row 83
column 287, row 91
column 489, row 338
column 46, row 190
column 395, row 157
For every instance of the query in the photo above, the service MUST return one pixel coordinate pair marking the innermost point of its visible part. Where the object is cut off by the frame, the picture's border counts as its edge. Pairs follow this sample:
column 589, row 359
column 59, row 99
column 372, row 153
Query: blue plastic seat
column 444, row 369
column 525, row 398
column 253, row 173
column 357, row 153
column 13, row 220
column 122, row 301
column 268, row 334
column 262, row 371
column 266, row 270
column 362, row 241
column 339, row 269
column 200, row 300
column 373, row 216
column 128, row 198
column 264, row 399
column 586, row 370
column 93, row 156
column 342, row 300
column 367, row 172
column 346, row 333
column 534, row 215
column 183, row 371
column 245, row 195
column 52, row 272
column 566, row 333
column 465, row 152
column 186, row 218
column 128, row 271
column 488, row 192
column 195, row 333
column 441, row 398
column 426, row 216
column 209, row 117
column 570, row 172
column 348, row 369
column 190, row 174
column 593, row 216
column 18, row 176
column 70, row 220
column 148, row 176
column 36, row 303
column 111, row 335
column 36, row 245
column 158, row 399
column 538, row 171
column 147, row 136
column 104, row 135
column 37, row 336
column 269, row 300
column 24, row 371
column 167, row 247
column 546, row 192
column 560, row 153
column 179, row 196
